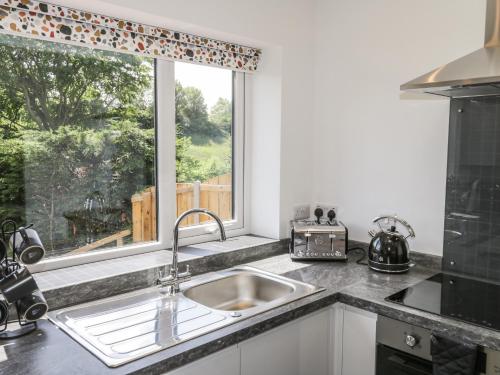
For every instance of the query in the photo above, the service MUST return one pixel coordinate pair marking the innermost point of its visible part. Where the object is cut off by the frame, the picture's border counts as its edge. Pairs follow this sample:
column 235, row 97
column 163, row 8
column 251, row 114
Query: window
column 206, row 142
column 204, row 121
column 81, row 156
column 78, row 142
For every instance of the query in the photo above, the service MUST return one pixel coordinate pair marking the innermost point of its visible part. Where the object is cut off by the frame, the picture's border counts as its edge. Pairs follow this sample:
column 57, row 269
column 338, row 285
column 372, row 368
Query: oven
column 391, row 361
column 405, row 349
column 402, row 349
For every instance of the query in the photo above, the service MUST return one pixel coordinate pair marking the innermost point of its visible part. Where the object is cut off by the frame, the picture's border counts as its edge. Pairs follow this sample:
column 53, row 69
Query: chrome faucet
column 173, row 280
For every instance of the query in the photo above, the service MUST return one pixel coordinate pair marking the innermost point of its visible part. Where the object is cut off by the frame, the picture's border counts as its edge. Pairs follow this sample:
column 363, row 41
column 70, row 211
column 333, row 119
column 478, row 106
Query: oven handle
column 409, row 363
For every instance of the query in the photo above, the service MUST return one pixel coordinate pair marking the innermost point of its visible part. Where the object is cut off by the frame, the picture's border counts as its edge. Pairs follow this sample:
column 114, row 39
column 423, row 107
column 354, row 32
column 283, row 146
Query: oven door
column 395, row 362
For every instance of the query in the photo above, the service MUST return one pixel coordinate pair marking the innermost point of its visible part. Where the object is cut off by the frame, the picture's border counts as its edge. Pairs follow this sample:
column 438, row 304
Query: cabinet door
column 358, row 342
column 225, row 362
column 300, row 347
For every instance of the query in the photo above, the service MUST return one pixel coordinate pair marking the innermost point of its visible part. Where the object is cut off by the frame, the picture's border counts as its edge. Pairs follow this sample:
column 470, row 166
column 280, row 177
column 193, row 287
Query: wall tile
column 472, row 218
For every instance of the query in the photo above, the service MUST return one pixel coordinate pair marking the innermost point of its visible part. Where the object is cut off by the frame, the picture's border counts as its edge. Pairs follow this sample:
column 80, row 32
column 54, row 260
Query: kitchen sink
column 124, row 328
column 240, row 291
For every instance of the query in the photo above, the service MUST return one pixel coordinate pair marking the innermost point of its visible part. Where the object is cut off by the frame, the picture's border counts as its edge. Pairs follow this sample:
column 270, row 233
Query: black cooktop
column 472, row 301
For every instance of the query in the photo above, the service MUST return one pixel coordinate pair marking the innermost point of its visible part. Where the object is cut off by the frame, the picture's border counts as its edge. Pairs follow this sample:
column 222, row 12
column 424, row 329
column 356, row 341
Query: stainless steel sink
column 240, row 291
column 130, row 326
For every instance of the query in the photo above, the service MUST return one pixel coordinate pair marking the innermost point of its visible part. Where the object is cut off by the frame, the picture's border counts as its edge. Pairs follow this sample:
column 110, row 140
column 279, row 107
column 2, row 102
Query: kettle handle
column 396, row 219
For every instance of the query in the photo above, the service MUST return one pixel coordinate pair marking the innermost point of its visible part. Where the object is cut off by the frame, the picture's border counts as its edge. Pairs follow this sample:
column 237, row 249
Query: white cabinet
column 354, row 335
column 300, row 347
column 339, row 340
column 225, row 362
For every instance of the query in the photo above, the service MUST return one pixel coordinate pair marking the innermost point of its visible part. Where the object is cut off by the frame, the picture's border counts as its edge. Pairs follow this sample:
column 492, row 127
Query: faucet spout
column 175, row 278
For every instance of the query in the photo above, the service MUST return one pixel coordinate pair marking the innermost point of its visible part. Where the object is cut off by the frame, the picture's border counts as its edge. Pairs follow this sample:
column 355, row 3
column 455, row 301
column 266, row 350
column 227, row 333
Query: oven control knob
column 411, row 341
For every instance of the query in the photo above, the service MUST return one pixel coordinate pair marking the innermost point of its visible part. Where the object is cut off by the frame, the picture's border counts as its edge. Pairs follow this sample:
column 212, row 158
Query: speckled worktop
column 51, row 351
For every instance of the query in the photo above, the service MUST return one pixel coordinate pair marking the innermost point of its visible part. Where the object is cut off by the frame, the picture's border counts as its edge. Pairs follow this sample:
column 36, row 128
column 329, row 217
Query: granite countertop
column 51, row 351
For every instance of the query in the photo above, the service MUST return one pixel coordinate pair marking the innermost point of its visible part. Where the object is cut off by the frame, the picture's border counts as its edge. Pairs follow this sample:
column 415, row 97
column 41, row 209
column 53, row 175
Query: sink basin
column 241, row 291
column 123, row 328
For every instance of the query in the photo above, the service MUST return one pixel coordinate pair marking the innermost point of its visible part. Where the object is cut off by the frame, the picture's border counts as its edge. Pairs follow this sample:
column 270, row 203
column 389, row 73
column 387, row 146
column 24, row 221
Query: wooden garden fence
column 214, row 194
column 144, row 215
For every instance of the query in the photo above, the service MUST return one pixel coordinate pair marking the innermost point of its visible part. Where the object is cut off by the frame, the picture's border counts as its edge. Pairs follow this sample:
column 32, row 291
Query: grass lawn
column 210, row 153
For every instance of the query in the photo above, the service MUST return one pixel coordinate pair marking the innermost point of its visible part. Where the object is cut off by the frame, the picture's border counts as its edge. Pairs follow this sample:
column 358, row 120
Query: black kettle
column 389, row 250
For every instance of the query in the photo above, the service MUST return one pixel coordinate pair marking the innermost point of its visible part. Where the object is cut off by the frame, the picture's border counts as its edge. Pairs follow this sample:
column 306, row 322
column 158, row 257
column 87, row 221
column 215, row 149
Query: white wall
column 264, row 135
column 282, row 89
column 379, row 151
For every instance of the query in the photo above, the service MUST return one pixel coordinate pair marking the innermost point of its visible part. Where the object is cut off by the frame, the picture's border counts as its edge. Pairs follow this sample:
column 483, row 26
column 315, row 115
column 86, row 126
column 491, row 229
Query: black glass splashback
column 472, row 216
column 460, row 298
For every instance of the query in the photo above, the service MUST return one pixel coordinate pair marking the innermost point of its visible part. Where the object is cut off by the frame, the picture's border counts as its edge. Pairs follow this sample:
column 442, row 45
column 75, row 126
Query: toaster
column 322, row 240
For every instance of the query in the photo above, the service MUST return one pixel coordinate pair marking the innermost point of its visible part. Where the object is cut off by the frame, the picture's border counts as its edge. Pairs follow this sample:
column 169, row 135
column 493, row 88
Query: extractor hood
column 477, row 74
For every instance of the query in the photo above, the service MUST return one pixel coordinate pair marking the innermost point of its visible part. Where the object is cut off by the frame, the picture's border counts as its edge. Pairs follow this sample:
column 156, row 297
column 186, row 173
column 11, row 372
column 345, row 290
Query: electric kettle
column 389, row 250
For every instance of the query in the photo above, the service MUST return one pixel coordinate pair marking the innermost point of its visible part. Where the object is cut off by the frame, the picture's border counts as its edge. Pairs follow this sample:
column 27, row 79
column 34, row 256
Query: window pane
column 204, row 120
column 77, row 146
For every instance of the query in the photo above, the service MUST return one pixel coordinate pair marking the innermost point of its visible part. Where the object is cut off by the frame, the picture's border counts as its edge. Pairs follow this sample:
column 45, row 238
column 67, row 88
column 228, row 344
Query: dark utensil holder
column 7, row 266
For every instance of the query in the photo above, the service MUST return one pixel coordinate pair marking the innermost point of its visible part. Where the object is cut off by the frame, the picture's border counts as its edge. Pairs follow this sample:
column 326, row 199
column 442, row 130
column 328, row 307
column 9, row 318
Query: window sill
column 88, row 282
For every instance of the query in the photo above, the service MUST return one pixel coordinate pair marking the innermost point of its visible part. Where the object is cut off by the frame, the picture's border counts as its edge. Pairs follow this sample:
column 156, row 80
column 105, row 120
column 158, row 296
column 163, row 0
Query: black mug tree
column 21, row 302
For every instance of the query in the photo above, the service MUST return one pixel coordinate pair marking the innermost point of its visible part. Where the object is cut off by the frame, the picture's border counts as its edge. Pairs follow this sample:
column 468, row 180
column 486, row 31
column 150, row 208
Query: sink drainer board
column 123, row 328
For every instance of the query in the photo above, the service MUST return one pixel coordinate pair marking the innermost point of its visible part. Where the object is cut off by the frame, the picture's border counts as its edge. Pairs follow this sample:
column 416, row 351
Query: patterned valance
column 58, row 23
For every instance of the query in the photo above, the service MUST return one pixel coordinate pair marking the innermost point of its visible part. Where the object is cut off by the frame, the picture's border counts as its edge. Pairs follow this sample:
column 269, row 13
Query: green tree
column 221, row 115
column 73, row 121
column 10, row 114
column 91, row 160
column 55, row 185
column 192, row 116
column 60, row 84
column 188, row 169
column 12, row 179
column 195, row 127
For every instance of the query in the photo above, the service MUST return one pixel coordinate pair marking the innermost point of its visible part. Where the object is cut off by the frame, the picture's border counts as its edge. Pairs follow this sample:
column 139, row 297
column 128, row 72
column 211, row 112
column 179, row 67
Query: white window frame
column 166, row 178
column 199, row 233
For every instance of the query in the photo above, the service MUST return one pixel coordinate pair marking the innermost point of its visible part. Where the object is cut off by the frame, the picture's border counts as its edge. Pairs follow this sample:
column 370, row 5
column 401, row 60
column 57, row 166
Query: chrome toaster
column 323, row 240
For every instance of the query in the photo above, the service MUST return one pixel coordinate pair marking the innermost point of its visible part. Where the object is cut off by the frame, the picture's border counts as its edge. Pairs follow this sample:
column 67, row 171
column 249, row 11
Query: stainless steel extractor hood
column 477, row 74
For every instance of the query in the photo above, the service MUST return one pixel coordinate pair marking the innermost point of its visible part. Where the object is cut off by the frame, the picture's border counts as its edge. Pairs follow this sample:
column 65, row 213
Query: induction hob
column 471, row 301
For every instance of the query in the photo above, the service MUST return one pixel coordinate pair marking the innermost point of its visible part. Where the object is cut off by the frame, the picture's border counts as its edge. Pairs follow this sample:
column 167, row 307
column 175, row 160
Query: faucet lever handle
column 186, row 273
column 161, row 272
